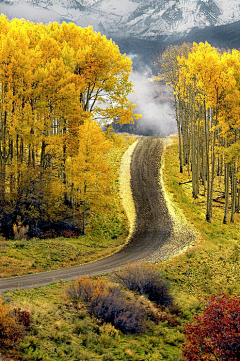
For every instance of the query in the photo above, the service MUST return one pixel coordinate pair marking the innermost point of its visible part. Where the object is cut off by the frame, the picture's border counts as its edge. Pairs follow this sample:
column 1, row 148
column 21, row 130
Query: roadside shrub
column 109, row 304
column 10, row 329
column 145, row 279
column 215, row 335
column 84, row 289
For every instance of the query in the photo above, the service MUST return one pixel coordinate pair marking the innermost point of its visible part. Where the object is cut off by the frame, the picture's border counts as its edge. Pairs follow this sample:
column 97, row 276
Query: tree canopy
column 55, row 80
column 206, row 85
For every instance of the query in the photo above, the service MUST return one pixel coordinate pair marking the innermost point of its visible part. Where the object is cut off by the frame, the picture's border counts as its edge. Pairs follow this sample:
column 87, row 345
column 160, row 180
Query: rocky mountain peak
column 138, row 18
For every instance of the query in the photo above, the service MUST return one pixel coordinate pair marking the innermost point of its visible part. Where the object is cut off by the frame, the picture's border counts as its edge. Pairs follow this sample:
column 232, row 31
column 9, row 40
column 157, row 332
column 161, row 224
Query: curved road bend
column 153, row 226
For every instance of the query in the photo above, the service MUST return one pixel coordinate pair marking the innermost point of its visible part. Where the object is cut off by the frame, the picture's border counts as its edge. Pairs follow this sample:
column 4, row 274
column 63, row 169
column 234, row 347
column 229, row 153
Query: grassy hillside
column 64, row 330
column 212, row 265
column 60, row 331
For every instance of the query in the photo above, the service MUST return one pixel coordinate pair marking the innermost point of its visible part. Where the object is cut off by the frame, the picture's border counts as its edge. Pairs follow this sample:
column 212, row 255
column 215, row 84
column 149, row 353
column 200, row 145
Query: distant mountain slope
column 138, row 18
column 225, row 36
column 141, row 27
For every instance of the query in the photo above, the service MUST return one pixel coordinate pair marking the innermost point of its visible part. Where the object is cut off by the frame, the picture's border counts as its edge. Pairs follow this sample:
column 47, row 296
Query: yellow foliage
column 206, row 83
column 55, row 82
column 90, row 162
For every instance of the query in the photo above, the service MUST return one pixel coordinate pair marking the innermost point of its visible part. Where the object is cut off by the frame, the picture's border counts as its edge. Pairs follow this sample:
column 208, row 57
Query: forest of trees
column 58, row 84
column 206, row 84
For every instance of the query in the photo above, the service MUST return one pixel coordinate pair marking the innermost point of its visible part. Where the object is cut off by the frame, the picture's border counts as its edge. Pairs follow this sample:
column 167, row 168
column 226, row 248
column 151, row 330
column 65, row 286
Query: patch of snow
column 29, row 12
column 230, row 10
column 118, row 7
column 139, row 18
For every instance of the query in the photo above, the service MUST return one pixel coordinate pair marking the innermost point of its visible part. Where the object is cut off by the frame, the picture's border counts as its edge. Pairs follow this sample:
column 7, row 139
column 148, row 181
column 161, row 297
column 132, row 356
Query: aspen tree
column 53, row 79
column 170, row 73
column 208, row 85
column 204, row 69
column 90, row 161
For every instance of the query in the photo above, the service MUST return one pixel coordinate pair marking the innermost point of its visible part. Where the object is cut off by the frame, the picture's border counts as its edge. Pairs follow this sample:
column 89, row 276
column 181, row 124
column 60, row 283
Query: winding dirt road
column 153, row 225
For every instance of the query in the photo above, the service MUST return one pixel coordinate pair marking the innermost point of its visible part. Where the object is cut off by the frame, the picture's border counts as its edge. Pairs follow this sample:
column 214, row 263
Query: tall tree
column 53, row 79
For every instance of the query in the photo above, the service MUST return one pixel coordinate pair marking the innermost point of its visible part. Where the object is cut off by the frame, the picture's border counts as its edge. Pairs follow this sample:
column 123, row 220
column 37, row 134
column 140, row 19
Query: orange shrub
column 84, row 289
column 10, row 329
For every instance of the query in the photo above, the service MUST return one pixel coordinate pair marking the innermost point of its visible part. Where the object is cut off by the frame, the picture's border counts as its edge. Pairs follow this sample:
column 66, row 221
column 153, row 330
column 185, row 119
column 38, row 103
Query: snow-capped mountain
column 126, row 18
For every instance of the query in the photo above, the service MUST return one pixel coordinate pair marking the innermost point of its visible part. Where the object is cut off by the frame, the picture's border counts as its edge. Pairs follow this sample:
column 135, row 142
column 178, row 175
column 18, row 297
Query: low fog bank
column 155, row 102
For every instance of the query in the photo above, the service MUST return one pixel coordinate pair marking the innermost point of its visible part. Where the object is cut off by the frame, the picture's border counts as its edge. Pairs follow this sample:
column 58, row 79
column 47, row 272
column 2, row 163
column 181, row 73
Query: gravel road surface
column 153, row 225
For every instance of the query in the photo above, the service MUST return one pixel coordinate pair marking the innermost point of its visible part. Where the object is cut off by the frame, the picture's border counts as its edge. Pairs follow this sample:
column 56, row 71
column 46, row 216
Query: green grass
column 212, row 266
column 62, row 332
column 106, row 231
column 35, row 255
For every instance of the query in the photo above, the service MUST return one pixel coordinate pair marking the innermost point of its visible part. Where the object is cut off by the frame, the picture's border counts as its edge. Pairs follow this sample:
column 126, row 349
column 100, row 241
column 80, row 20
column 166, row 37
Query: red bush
column 215, row 335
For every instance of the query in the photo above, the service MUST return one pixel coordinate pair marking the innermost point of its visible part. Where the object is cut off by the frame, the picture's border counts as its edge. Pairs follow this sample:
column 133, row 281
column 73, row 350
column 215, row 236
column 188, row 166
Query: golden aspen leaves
column 55, row 82
column 206, row 84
